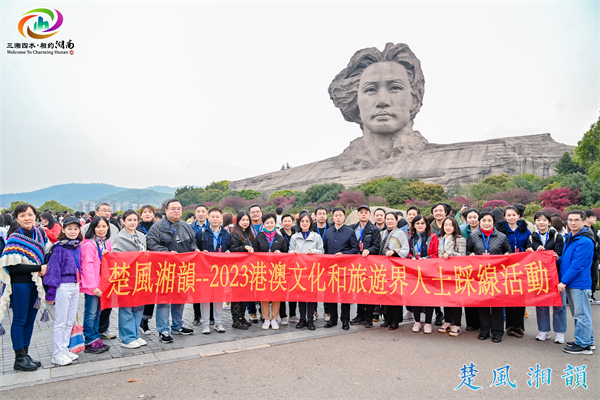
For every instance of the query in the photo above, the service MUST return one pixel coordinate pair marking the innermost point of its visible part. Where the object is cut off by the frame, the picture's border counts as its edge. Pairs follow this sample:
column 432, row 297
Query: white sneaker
column 206, row 330
column 219, row 328
column 408, row 315
column 416, row 327
column 284, row 321
column 131, row 345
column 274, row 324
column 141, row 341
column 327, row 317
column 560, row 338
column 71, row 355
column 543, row 336
column 594, row 301
column 428, row 328
column 61, row 359
column 294, row 319
column 593, row 347
column 266, row 324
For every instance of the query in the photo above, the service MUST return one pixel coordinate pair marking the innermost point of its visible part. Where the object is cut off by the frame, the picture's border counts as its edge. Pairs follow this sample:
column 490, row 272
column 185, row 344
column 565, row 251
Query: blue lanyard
column 361, row 234
column 99, row 251
column 319, row 232
column 34, row 234
column 546, row 241
column 219, row 239
column 286, row 238
column 172, row 230
column 418, row 246
column 76, row 255
column 436, row 231
column 144, row 229
column 256, row 232
column 486, row 243
column 444, row 244
column 270, row 242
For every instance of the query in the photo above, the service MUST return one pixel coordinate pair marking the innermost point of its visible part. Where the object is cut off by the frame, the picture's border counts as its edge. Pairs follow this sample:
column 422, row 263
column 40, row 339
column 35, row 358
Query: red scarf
column 487, row 233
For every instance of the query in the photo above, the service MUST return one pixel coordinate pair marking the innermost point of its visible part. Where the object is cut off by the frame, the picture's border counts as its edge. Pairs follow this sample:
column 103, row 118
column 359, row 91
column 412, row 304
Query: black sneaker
column 182, row 331
column 357, row 320
column 570, row 344
column 196, row 321
column 144, row 329
column 165, row 338
column 439, row 319
column 576, row 349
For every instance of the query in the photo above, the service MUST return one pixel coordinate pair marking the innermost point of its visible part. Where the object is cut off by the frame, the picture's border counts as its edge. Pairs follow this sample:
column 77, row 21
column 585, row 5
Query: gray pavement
column 376, row 363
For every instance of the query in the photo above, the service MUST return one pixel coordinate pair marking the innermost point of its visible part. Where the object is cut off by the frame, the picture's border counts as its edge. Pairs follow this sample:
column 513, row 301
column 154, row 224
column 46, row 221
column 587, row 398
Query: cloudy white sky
column 174, row 93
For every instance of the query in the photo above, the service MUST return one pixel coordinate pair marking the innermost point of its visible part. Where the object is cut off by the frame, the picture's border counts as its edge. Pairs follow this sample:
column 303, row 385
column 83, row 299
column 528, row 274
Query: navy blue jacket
column 205, row 240
column 341, row 240
column 518, row 238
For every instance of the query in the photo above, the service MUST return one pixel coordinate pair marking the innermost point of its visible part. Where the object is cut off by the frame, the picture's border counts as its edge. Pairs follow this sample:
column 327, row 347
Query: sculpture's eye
column 397, row 87
column 369, row 89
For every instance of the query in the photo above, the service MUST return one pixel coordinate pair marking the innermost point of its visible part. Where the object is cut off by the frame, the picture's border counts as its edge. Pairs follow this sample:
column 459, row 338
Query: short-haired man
column 200, row 212
column 379, row 216
column 590, row 220
column 256, row 225
column 340, row 239
column 369, row 238
column 174, row 235
column 575, row 278
column 320, row 225
column 210, row 240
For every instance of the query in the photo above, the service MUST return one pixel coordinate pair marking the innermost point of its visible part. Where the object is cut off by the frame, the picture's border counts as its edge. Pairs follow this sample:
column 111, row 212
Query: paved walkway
column 117, row 357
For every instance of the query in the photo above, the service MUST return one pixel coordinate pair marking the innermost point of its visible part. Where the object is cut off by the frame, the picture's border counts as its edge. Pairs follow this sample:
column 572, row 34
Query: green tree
column 211, row 195
column 531, row 182
column 480, row 190
column 55, row 206
column 223, row 186
column 426, row 191
column 248, row 194
column 589, row 191
column 15, row 204
column 281, row 193
column 394, row 192
column 324, row 192
column 502, row 182
column 189, row 197
column 587, row 152
column 566, row 165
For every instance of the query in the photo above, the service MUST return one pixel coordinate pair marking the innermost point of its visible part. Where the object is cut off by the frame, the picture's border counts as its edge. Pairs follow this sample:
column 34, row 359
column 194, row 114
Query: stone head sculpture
column 382, row 91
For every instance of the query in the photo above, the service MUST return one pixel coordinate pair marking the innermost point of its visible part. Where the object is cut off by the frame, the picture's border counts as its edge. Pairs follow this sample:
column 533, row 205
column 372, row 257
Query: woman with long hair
column 50, row 227
column 241, row 241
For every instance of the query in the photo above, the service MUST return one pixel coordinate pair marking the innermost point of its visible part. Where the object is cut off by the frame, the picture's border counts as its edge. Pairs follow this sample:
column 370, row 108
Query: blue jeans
column 23, row 299
column 559, row 316
column 251, row 307
column 129, row 322
column 91, row 318
column 162, row 317
column 581, row 309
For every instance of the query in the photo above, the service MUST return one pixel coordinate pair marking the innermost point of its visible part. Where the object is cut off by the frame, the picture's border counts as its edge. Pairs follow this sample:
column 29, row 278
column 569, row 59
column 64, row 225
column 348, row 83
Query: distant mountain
column 67, row 194
column 163, row 189
column 141, row 196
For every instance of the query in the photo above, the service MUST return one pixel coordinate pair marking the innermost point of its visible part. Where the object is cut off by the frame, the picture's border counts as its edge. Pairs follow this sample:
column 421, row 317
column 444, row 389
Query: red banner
column 137, row 278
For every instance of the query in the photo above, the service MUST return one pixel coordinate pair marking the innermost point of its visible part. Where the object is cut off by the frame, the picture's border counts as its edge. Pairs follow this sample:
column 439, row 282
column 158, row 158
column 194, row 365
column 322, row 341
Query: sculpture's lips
column 383, row 114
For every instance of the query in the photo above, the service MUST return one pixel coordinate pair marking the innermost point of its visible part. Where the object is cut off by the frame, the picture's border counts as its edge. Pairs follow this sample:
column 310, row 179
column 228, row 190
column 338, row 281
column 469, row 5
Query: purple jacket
column 62, row 268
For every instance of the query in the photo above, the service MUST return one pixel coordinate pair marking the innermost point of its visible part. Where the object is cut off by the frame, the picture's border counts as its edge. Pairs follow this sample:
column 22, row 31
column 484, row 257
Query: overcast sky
column 166, row 93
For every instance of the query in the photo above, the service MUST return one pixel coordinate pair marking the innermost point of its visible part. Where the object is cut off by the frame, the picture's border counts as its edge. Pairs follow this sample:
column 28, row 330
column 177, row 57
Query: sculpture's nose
column 383, row 98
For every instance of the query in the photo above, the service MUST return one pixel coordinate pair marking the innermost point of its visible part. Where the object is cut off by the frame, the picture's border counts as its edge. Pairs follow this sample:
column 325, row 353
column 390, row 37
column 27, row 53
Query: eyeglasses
column 174, row 209
column 574, row 220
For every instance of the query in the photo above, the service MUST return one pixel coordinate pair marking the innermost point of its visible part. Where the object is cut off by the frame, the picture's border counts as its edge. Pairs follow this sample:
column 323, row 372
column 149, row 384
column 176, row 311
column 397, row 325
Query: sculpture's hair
column 343, row 90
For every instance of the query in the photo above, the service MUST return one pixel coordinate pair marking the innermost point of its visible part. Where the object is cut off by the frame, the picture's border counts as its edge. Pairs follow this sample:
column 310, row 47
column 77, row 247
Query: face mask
column 60, row 219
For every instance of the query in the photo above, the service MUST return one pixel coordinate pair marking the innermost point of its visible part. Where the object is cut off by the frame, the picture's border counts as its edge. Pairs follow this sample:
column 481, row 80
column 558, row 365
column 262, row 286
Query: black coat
column 371, row 237
column 498, row 243
column 555, row 242
column 261, row 244
column 238, row 243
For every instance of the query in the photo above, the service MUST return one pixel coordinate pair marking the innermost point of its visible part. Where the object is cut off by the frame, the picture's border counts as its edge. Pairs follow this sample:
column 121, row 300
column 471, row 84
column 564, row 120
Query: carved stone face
column 384, row 98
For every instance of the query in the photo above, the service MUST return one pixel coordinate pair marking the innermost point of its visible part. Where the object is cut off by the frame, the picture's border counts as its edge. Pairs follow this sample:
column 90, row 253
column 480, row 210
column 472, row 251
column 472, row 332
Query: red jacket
column 53, row 233
column 431, row 247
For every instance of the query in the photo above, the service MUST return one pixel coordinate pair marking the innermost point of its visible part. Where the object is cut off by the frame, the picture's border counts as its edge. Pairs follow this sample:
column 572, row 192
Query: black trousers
column 515, row 317
column 491, row 318
column 148, row 311
column 594, row 276
column 428, row 314
column 238, row 310
column 365, row 311
column 453, row 315
column 104, row 320
column 333, row 312
column 282, row 311
column 307, row 310
column 393, row 314
column 198, row 314
column 472, row 317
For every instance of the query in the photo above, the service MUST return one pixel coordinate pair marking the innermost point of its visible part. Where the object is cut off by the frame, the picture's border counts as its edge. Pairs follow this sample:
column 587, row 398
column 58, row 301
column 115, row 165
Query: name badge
column 219, row 249
column 361, row 246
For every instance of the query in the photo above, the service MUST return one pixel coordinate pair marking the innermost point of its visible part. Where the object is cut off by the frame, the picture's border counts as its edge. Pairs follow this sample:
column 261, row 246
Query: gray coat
column 396, row 241
column 162, row 238
column 124, row 242
column 313, row 242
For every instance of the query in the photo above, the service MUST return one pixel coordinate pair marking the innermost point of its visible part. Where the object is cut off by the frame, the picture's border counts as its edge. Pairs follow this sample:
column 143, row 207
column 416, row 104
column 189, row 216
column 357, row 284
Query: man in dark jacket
column 174, row 235
column 589, row 222
column 340, row 239
column 211, row 240
column 575, row 278
column 369, row 238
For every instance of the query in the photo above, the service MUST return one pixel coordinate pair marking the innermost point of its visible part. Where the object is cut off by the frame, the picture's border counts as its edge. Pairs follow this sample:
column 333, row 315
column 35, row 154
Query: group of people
column 44, row 264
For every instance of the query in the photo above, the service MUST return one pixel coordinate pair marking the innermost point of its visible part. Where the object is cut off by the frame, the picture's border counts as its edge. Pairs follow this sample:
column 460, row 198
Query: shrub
column 495, row 203
column 351, row 199
column 394, row 192
column 281, row 193
column 559, row 198
column 325, row 192
column 513, row 196
column 422, row 204
column 235, row 202
column 426, row 191
column 376, row 201
column 249, row 194
column 469, row 201
column 480, row 190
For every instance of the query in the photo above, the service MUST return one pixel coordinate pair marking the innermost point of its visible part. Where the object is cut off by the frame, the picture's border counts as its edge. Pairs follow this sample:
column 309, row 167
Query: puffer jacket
column 498, row 243
column 518, row 238
column 577, row 259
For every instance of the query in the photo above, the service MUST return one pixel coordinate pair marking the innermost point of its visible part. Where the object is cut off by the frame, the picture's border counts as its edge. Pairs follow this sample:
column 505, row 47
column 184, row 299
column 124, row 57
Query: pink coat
column 90, row 266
